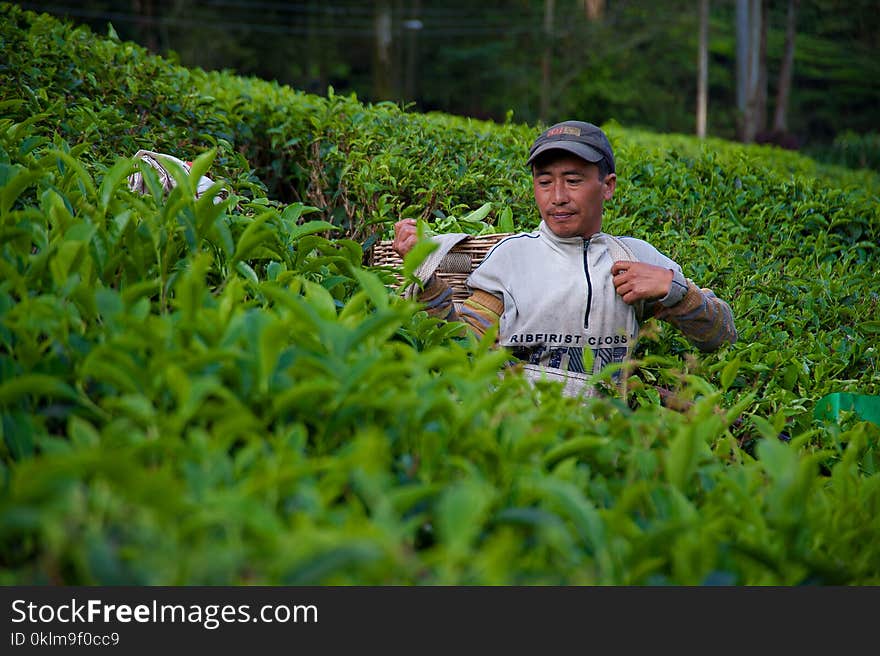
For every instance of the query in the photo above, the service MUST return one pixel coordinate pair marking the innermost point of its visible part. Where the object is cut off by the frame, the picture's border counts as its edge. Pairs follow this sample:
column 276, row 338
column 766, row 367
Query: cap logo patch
column 565, row 129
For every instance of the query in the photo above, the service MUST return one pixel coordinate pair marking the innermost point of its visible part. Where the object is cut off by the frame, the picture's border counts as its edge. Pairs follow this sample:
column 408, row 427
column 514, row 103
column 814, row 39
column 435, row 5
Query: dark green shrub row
column 200, row 393
column 854, row 150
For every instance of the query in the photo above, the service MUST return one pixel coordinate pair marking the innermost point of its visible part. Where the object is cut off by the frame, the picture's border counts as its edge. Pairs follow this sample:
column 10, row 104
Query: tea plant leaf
column 737, row 409
column 151, row 177
column 403, row 499
column 578, row 509
column 320, row 300
column 576, row 446
column 113, row 179
column 39, row 385
column 764, row 427
column 682, row 457
column 209, row 213
column 373, row 287
column 305, row 395
column 81, row 174
column 375, row 329
column 185, row 186
column 462, row 510
column 200, row 166
column 478, row 214
column 83, row 433
column 18, row 432
column 416, row 256
column 728, row 374
column 14, row 181
column 354, row 555
column 310, row 228
column 247, row 272
column 252, row 236
column 505, row 221
column 294, row 211
column 272, row 341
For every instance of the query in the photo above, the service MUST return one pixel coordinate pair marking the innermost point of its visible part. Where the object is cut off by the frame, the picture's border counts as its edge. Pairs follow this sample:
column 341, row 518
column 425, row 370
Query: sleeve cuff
column 677, row 290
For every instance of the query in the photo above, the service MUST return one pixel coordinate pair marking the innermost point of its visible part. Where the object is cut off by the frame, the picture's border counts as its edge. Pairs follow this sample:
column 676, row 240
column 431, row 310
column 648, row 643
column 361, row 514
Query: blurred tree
column 145, row 12
column 412, row 25
column 703, row 70
column 780, row 115
column 751, row 66
column 631, row 60
column 382, row 65
column 547, row 59
column 594, row 9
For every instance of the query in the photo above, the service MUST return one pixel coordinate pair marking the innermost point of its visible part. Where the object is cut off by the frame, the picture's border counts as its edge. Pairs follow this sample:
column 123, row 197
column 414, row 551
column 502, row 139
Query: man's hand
column 639, row 281
column 405, row 236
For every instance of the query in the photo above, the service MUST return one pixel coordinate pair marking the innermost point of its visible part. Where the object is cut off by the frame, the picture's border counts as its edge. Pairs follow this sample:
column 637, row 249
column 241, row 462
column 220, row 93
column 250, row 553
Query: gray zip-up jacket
column 559, row 298
column 555, row 303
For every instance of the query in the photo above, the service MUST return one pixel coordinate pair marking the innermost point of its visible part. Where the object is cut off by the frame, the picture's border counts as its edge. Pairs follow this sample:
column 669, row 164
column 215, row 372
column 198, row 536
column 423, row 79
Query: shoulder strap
column 620, row 251
column 445, row 242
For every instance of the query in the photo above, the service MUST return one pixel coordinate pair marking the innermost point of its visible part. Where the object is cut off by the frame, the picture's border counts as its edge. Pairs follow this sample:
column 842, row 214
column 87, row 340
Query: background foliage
column 201, row 393
column 635, row 64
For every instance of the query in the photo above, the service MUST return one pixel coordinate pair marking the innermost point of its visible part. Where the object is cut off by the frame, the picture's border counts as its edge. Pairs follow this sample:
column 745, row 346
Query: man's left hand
column 639, row 281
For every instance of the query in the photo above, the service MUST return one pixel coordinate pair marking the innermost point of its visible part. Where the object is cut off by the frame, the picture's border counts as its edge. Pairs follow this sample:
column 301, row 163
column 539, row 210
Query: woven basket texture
column 454, row 268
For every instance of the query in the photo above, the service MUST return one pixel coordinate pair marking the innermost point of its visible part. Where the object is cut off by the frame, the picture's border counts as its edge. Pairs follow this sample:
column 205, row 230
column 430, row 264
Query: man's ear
column 610, row 184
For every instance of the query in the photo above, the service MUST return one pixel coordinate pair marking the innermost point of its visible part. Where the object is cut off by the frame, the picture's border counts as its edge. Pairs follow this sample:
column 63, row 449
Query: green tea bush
column 195, row 392
column 854, row 150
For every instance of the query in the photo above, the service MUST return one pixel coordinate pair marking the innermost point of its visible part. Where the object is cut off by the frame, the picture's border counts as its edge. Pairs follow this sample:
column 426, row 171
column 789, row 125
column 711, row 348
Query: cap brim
column 583, row 151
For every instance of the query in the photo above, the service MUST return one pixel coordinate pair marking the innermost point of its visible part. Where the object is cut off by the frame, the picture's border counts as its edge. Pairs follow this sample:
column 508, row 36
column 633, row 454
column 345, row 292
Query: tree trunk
column 313, row 53
column 749, row 30
column 761, row 90
column 546, row 61
column 594, row 9
column 742, row 66
column 145, row 11
column 780, row 115
column 703, row 70
column 412, row 26
column 382, row 73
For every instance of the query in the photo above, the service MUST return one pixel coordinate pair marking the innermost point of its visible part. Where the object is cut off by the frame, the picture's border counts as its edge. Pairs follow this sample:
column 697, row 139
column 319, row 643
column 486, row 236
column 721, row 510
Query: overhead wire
column 362, row 28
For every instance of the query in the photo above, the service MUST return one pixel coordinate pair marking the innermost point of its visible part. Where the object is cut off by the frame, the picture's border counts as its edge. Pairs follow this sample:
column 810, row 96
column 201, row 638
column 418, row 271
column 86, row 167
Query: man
column 568, row 294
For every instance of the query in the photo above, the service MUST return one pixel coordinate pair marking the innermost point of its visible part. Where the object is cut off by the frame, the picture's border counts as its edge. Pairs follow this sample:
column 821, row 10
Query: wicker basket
column 454, row 268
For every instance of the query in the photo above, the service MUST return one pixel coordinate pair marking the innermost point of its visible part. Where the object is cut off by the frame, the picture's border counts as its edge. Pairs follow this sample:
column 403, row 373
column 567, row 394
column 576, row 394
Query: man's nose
column 560, row 194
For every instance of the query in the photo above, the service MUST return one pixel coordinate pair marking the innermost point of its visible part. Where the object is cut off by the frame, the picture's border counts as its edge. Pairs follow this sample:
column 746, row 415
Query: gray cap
column 577, row 137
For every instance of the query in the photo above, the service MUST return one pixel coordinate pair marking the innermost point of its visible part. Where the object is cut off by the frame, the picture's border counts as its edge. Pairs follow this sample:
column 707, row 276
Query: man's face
column 569, row 194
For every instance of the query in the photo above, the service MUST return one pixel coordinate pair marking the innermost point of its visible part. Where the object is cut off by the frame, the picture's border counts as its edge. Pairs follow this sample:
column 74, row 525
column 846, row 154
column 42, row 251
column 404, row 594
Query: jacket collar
column 545, row 231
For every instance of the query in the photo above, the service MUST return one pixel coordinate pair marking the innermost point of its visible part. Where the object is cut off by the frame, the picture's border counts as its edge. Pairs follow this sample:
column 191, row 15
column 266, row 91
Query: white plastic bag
column 159, row 161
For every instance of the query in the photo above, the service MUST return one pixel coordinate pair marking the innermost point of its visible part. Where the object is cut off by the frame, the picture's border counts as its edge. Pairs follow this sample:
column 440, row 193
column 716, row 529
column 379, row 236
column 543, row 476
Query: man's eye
column 574, row 181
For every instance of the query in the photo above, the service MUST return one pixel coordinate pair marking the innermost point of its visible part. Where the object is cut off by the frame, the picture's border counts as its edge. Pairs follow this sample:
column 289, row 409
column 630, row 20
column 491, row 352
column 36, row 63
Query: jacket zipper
column 589, row 284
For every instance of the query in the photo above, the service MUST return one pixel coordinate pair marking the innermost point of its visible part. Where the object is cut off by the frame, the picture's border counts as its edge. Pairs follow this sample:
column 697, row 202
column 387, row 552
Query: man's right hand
column 405, row 236
column 640, row 281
